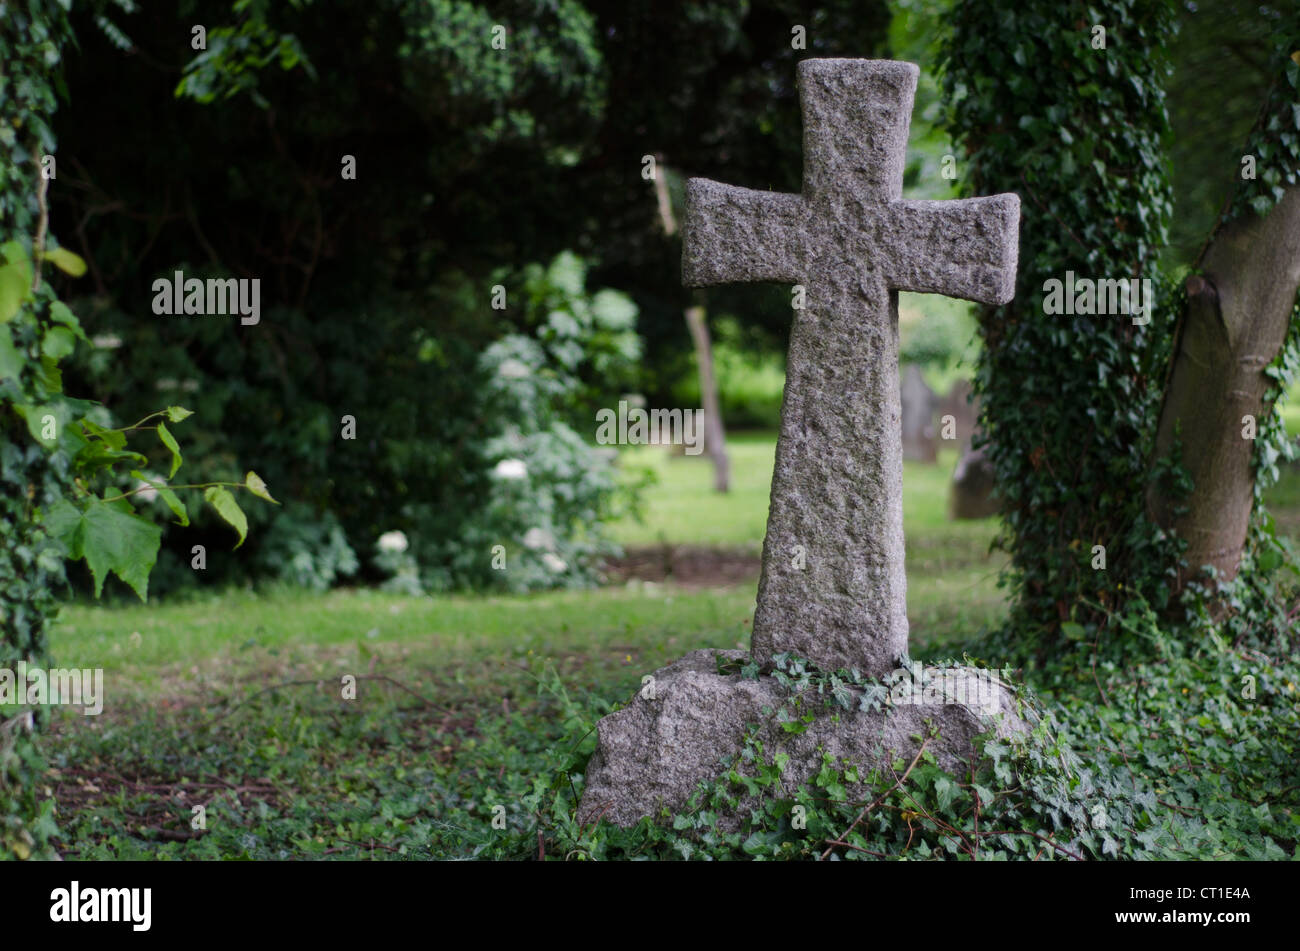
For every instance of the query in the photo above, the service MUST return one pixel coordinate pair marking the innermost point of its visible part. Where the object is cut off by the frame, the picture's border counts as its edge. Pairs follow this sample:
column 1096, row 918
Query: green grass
column 464, row 703
column 235, row 703
column 153, row 643
column 681, row 507
column 951, row 580
column 951, row 576
column 233, row 700
column 1290, row 410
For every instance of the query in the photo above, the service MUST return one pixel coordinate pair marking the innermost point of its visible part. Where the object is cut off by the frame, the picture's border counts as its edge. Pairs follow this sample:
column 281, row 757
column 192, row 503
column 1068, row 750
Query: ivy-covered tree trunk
column 31, row 476
column 1225, row 374
column 1063, row 103
column 1124, row 466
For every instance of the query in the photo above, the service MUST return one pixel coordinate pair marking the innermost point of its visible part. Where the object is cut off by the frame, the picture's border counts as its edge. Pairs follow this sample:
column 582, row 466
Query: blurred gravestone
column 971, row 492
column 973, row 481
column 964, row 409
column 832, row 589
column 918, row 405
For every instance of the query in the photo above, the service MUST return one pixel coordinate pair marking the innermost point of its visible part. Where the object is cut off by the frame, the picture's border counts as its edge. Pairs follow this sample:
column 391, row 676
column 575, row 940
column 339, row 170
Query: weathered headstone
column 971, row 493
column 973, row 481
column 918, row 403
column 832, row 588
column 963, row 407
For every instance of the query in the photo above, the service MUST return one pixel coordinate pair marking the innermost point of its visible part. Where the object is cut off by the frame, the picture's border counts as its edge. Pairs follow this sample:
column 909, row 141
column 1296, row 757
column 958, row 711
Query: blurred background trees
column 475, row 167
column 522, row 168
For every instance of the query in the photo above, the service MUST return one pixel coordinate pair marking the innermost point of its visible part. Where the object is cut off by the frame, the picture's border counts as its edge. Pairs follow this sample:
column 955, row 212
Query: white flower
column 393, row 541
column 538, row 538
column 511, row 469
column 513, row 369
column 554, row 562
column 146, row 493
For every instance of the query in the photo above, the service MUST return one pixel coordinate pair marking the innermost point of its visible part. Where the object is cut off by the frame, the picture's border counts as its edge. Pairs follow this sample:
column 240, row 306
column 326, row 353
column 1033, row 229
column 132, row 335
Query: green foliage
column 473, row 162
column 939, row 335
column 307, row 548
column 1224, row 63
column 1172, row 763
column 1188, row 755
column 751, row 381
column 386, row 318
column 1070, row 404
column 31, row 340
column 499, row 94
column 1167, row 737
column 110, row 537
column 234, row 55
column 549, row 492
column 1275, row 139
column 60, row 465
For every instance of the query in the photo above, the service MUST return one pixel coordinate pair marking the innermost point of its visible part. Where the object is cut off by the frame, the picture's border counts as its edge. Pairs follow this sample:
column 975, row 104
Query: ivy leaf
column 14, row 252
column 221, row 500
column 840, row 691
column 11, row 361
column 48, row 375
column 58, row 342
column 115, row 438
column 167, row 495
column 60, row 313
column 42, row 418
column 177, row 413
column 170, row 442
column 15, row 286
column 255, row 485
column 111, row 537
column 945, row 791
column 1073, row 631
column 66, row 261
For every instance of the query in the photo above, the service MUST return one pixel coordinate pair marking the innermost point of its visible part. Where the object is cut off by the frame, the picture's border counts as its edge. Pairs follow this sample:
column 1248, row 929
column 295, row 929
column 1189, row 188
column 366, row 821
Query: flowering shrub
column 547, row 489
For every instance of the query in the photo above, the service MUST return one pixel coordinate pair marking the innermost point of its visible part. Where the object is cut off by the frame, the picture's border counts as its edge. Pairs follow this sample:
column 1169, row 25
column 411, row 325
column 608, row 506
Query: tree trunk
column 1234, row 325
column 715, row 437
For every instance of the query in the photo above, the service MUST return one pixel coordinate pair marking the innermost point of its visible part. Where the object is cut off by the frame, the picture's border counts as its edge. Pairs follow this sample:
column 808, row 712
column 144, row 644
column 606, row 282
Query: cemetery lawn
column 233, row 702
column 951, row 574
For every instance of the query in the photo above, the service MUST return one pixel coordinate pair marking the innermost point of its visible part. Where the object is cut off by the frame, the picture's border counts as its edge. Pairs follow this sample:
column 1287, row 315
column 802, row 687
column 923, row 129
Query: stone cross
column 833, row 588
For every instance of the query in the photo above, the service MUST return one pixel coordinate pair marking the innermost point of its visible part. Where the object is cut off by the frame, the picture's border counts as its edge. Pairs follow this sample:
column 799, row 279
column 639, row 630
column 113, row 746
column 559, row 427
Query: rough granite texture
column 654, row 753
column 832, row 587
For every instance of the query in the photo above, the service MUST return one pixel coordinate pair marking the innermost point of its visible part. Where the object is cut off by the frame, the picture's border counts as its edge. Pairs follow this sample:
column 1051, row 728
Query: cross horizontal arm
column 965, row 248
column 740, row 235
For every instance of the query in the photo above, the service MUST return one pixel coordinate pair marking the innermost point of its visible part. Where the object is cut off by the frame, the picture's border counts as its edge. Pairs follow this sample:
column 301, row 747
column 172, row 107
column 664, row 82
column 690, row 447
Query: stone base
column 654, row 753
